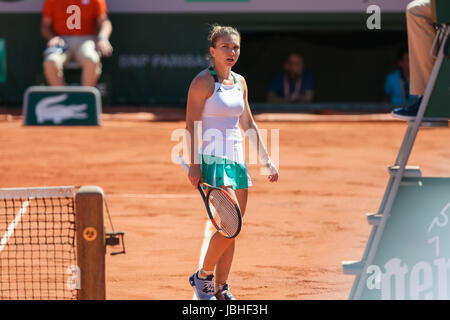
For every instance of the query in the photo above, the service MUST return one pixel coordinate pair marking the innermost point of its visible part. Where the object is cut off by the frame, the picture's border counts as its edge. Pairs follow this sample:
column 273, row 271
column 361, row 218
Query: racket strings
column 224, row 212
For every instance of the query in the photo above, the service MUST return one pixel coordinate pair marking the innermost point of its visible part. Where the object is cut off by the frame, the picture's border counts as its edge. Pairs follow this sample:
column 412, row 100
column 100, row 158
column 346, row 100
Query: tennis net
column 38, row 256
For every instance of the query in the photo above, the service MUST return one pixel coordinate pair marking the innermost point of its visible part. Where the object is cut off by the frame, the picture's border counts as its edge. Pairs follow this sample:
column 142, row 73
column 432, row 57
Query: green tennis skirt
column 219, row 172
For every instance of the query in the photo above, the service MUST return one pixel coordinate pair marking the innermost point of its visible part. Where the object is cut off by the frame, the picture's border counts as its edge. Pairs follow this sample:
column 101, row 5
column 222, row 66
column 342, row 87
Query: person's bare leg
column 217, row 245
column 53, row 73
column 89, row 75
column 223, row 265
column 89, row 60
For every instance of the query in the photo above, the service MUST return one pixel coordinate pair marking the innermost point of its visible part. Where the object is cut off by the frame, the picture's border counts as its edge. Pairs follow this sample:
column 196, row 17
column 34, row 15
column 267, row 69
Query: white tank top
column 220, row 121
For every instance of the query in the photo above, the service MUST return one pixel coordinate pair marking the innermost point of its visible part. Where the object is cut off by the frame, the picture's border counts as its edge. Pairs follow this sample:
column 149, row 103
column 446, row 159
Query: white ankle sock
column 218, row 287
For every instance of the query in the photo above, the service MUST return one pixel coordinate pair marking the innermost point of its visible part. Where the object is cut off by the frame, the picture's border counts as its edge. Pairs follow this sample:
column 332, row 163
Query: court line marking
column 209, row 230
column 13, row 224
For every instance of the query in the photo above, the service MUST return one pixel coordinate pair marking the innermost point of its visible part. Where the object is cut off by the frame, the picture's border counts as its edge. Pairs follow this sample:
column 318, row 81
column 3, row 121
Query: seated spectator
column 77, row 30
column 396, row 85
column 294, row 85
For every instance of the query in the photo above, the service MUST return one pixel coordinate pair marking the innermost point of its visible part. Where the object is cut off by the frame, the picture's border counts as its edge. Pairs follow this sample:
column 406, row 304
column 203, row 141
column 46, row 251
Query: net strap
column 46, row 192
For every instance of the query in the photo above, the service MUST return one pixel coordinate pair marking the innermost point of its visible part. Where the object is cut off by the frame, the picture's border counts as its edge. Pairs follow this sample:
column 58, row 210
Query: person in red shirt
column 75, row 30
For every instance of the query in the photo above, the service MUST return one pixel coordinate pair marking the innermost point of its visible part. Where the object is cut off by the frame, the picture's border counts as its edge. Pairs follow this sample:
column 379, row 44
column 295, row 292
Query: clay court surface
column 296, row 232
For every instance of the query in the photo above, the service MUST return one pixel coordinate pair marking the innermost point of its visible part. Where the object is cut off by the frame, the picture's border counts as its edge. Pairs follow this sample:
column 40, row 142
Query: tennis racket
column 223, row 211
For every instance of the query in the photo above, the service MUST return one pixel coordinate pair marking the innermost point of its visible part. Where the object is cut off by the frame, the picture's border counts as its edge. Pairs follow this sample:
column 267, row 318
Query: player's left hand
column 104, row 47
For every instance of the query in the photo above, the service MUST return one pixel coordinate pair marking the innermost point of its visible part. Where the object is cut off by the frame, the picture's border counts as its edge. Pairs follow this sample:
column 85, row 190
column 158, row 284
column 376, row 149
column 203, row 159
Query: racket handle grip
column 186, row 167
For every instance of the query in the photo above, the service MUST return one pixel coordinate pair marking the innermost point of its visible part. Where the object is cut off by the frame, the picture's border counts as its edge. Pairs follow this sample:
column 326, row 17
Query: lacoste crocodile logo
column 51, row 109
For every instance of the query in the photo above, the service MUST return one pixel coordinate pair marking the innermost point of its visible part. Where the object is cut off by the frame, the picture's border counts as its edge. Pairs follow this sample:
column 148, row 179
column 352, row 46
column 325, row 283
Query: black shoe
column 409, row 112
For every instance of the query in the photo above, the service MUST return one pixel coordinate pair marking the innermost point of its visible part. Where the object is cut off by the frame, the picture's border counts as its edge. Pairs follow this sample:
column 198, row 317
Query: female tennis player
column 218, row 98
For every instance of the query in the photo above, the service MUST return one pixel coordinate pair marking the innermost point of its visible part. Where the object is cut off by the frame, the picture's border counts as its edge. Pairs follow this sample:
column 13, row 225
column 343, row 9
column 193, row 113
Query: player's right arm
column 200, row 89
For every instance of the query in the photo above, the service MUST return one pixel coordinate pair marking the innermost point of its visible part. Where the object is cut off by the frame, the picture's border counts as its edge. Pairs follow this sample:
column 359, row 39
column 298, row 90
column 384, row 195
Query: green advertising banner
column 412, row 259
column 155, row 68
column 438, row 106
column 2, row 61
column 62, row 106
column 441, row 11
